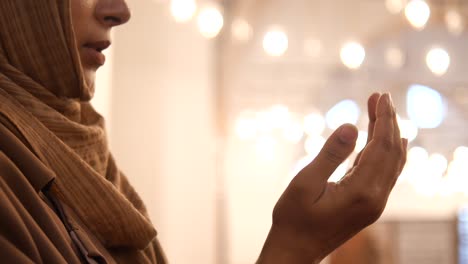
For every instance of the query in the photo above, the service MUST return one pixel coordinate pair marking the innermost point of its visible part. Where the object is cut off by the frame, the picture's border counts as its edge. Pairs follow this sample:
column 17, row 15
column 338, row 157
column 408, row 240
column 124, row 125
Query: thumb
column 336, row 150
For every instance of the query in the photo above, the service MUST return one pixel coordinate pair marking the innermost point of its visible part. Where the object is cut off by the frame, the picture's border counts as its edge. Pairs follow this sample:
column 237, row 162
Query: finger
column 371, row 108
column 404, row 143
column 396, row 131
column 384, row 128
column 380, row 161
column 404, row 146
column 336, row 150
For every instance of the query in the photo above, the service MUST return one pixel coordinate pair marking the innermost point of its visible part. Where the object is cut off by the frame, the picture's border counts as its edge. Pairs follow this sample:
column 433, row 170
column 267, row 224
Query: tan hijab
column 43, row 93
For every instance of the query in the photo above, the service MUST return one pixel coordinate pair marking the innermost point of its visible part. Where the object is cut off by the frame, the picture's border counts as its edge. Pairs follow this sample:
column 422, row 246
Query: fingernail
column 387, row 100
column 348, row 134
column 390, row 99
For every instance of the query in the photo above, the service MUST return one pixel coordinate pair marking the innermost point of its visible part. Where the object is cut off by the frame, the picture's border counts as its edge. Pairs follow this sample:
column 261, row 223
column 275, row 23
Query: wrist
column 287, row 246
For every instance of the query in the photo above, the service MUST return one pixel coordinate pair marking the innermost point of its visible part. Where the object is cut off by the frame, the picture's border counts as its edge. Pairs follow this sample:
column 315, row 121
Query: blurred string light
column 266, row 147
column 276, row 117
column 241, row 30
column 416, row 165
column 183, row 10
column 313, row 145
column 275, row 42
column 279, row 116
column 461, row 153
column 314, row 124
column 458, row 169
column 394, row 57
column 417, row 12
column 456, row 173
column 210, row 21
column 340, row 172
column 454, row 21
column 417, row 157
column 293, row 131
column 445, row 187
column 438, row 61
column 408, row 129
column 265, row 121
column 429, row 183
column 361, row 141
column 394, row 6
column 432, row 175
column 425, row 106
column 417, row 154
column 352, row 55
column 423, row 171
column 346, row 111
column 438, row 163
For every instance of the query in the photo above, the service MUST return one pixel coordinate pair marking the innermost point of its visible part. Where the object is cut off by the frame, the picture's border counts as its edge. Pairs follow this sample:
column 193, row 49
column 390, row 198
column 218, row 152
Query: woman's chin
column 90, row 77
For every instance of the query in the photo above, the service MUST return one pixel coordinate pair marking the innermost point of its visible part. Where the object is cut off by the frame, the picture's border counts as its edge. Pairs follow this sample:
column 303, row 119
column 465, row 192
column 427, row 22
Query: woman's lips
column 93, row 52
column 93, row 57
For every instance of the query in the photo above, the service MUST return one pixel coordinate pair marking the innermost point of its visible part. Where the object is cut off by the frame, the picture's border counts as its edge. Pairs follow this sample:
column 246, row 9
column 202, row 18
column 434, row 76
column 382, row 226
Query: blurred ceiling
column 252, row 80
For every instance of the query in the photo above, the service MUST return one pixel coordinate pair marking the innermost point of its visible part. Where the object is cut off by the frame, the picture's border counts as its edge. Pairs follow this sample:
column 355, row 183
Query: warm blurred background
column 213, row 106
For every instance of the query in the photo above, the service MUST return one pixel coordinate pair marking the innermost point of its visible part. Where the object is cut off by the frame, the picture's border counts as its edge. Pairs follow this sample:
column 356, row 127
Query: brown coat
column 35, row 227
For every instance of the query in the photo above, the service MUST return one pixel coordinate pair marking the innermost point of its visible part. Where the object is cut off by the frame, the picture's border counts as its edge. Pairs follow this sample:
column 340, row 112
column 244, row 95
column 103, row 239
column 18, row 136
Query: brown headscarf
column 44, row 95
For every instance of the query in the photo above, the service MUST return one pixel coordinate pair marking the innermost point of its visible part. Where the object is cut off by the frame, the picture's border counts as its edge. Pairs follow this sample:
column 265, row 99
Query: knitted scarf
column 44, row 95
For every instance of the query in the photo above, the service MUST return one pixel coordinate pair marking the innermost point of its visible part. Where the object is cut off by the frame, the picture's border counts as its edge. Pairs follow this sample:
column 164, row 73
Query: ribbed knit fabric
column 43, row 93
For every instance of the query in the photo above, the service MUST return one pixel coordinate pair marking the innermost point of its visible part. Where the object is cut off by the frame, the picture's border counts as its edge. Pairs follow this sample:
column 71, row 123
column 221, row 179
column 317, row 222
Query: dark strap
column 57, row 206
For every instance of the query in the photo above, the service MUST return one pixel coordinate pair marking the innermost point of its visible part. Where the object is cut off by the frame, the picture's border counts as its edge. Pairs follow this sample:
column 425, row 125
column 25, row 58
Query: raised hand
column 313, row 217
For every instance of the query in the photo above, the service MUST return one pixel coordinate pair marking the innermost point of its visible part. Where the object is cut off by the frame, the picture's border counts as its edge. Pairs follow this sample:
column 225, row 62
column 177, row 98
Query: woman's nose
column 112, row 13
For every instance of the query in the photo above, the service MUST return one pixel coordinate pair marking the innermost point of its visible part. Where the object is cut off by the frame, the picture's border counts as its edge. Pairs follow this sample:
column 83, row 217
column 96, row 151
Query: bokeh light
column 340, row 172
column 279, row 116
column 346, row 111
column 210, row 22
column 417, row 12
column 293, row 131
column 352, row 55
column 454, row 21
column 183, row 10
column 313, row 145
column 394, row 57
column 425, row 106
column 361, row 141
column 438, row 61
column 461, row 153
column 275, row 43
column 314, row 124
column 438, row 163
column 394, row 6
column 267, row 121
column 241, row 30
column 408, row 129
column 417, row 155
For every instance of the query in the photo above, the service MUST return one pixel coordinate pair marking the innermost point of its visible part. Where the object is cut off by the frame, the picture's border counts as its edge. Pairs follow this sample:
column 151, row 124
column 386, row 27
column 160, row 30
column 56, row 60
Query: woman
column 62, row 197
